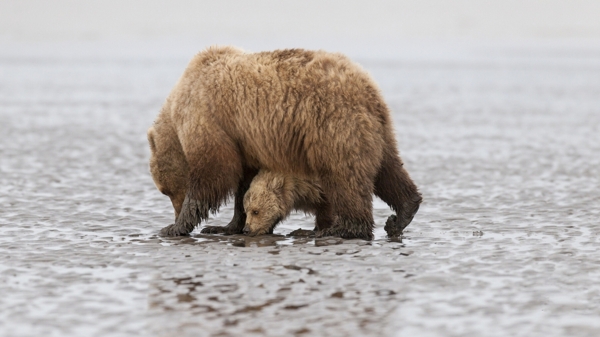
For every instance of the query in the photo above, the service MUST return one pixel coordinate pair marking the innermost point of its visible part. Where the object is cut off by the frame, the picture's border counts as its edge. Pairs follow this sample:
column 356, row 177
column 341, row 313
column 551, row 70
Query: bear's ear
column 276, row 183
column 151, row 139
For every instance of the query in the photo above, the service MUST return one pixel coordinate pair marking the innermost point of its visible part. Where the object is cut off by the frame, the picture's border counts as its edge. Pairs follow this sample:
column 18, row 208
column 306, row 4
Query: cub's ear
column 276, row 183
column 151, row 139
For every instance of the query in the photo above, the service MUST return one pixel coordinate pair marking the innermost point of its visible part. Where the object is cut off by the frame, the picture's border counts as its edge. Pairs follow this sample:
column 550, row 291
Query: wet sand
column 503, row 142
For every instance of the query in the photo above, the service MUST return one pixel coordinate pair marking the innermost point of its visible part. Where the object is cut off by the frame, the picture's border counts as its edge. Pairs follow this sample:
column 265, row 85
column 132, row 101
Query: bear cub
column 272, row 196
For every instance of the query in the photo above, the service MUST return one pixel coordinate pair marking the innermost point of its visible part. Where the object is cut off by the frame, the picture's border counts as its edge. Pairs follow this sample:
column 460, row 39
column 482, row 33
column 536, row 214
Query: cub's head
column 168, row 165
column 263, row 204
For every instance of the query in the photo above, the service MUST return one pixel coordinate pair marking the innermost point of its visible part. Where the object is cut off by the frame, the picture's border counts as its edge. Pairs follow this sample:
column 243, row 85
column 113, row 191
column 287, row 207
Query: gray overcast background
column 214, row 21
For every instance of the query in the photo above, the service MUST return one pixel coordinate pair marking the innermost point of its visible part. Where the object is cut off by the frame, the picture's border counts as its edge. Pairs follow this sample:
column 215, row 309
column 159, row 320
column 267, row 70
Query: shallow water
column 503, row 143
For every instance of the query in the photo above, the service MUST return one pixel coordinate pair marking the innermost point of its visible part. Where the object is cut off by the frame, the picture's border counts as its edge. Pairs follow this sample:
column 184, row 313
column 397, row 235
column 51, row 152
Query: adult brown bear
column 307, row 113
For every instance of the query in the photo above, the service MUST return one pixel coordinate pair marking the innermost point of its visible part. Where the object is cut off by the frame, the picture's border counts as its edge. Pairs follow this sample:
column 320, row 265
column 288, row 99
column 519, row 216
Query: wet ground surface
column 503, row 142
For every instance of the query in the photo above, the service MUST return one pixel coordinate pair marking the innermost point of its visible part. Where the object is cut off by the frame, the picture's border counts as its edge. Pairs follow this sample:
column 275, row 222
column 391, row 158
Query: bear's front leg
column 237, row 223
column 192, row 212
column 235, row 226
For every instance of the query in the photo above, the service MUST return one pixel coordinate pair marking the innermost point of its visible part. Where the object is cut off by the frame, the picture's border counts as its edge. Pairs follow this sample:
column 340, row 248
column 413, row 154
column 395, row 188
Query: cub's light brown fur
column 272, row 196
column 306, row 113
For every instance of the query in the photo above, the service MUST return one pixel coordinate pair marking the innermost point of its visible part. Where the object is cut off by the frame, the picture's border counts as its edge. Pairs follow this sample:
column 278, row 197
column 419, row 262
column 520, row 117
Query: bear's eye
column 255, row 212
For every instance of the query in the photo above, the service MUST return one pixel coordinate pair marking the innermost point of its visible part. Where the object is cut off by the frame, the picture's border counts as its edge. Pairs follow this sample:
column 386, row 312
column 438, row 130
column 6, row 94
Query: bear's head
column 264, row 204
column 168, row 166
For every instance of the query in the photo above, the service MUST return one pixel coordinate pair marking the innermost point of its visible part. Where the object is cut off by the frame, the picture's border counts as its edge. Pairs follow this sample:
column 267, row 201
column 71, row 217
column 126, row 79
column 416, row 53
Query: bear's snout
column 246, row 230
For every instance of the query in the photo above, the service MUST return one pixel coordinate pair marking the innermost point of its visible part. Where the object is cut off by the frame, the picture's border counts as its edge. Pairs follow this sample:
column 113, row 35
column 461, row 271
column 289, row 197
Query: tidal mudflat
column 503, row 142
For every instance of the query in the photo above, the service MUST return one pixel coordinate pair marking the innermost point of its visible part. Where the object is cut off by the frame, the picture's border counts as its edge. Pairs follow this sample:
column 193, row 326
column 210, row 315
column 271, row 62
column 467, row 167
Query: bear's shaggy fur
column 306, row 113
column 272, row 196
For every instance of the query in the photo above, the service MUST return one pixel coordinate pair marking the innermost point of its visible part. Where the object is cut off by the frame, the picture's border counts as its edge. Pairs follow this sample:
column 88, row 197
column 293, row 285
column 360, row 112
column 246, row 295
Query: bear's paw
column 173, row 230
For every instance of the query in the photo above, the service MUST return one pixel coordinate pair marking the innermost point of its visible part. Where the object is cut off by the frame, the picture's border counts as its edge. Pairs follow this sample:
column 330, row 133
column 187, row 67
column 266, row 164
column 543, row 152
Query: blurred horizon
column 112, row 20
column 384, row 29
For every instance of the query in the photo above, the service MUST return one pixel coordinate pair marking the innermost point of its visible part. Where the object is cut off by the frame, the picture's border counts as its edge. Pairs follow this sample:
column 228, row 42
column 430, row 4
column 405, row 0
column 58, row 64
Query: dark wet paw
column 344, row 233
column 227, row 230
column 214, row 230
column 302, row 233
column 326, row 232
column 392, row 227
column 173, row 230
column 349, row 229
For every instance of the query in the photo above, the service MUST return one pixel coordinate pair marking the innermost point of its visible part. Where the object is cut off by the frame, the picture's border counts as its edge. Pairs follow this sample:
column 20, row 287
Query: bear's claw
column 392, row 227
column 172, row 230
column 395, row 225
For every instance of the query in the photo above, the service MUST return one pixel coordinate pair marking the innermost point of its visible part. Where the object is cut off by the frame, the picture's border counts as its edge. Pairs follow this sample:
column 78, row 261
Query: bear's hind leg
column 352, row 207
column 237, row 223
column 394, row 186
column 324, row 219
column 324, row 215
